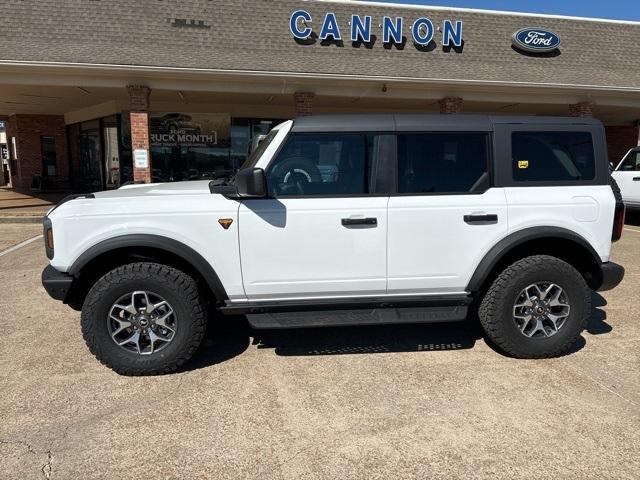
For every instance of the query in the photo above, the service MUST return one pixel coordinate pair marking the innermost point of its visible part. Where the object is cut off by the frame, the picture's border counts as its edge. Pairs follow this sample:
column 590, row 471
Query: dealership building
column 97, row 93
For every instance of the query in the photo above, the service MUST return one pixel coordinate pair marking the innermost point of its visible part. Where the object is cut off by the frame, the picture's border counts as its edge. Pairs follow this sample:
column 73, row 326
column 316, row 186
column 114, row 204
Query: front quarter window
column 253, row 158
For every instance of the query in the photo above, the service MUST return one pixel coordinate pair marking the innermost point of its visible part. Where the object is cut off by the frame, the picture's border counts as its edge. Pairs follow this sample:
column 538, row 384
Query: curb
column 21, row 219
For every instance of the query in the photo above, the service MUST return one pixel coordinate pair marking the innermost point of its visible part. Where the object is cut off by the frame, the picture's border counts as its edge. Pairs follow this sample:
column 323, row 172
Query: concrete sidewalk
column 26, row 207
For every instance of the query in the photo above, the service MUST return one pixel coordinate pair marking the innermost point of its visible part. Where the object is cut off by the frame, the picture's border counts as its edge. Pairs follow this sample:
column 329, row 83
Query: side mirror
column 251, row 183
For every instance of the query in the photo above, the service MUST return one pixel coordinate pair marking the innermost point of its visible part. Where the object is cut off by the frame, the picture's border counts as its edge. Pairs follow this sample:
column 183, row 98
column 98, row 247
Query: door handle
column 484, row 218
column 636, row 179
column 347, row 222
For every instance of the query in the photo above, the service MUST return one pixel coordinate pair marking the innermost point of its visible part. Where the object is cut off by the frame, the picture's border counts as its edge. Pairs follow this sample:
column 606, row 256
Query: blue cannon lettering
column 393, row 29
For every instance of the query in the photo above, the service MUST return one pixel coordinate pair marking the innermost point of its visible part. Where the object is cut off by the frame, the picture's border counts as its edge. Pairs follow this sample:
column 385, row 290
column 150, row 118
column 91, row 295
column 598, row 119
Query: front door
column 628, row 177
column 323, row 231
column 444, row 218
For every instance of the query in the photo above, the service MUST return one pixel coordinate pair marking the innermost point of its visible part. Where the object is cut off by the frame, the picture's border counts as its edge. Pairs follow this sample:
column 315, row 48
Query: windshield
column 257, row 153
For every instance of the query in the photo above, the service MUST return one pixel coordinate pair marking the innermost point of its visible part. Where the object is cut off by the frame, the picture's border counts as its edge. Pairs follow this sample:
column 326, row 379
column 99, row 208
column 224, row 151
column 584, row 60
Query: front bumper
column 57, row 284
column 612, row 275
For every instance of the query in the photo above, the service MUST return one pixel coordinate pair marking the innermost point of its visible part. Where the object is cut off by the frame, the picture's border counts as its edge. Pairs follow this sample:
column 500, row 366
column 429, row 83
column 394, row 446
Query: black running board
column 343, row 317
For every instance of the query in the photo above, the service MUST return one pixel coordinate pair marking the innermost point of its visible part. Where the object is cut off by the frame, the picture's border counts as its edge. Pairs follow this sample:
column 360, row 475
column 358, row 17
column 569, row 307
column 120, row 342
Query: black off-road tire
column 496, row 309
column 176, row 287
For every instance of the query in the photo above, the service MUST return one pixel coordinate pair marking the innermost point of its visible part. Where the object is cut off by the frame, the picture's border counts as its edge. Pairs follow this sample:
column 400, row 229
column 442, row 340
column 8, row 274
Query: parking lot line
column 20, row 245
column 631, row 230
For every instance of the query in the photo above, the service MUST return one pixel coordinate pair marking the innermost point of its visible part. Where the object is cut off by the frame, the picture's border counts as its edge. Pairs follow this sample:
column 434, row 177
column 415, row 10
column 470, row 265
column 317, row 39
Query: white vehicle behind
column 627, row 174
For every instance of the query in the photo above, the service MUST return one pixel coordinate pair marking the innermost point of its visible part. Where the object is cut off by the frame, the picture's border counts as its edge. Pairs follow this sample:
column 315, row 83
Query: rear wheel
column 144, row 319
column 536, row 308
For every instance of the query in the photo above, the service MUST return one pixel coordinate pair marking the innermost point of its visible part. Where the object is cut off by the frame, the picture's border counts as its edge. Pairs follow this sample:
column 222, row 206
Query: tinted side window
column 320, row 164
column 441, row 162
column 552, row 156
column 631, row 163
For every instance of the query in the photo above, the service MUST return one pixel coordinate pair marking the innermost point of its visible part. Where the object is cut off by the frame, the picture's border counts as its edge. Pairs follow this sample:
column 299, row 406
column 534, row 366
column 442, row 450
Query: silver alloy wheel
column 541, row 309
column 142, row 322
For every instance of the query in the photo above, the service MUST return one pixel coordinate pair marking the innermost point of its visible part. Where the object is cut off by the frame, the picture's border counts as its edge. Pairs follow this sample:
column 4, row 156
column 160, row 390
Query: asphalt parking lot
column 420, row 401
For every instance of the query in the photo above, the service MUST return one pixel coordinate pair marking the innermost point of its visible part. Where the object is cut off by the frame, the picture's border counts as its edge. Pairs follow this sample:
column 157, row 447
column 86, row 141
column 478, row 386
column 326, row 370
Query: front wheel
column 536, row 308
column 143, row 319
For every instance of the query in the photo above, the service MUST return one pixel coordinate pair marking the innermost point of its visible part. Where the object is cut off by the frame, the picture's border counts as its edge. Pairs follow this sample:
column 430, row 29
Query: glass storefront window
column 184, row 146
column 194, row 146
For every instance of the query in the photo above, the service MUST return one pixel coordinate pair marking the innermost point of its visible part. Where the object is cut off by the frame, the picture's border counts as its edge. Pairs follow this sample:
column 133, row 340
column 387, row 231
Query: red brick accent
column 139, row 99
column 451, row 105
column 304, row 103
column 581, row 109
column 27, row 129
column 620, row 139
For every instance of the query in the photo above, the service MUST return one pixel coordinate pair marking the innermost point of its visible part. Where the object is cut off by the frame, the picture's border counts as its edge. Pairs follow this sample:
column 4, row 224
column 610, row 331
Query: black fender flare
column 504, row 246
column 159, row 242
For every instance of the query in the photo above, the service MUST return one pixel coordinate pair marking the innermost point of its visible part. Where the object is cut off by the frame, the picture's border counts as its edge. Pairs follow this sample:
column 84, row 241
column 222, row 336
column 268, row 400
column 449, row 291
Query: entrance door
column 322, row 234
column 91, row 157
column 628, row 177
column 441, row 223
column 111, row 142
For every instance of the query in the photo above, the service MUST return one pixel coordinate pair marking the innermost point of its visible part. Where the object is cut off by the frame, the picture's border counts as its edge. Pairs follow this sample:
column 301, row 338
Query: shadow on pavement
column 229, row 337
column 597, row 324
column 370, row 339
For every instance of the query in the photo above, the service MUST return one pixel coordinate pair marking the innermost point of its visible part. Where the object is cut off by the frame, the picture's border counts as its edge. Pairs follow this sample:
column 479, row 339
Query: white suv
column 341, row 220
column 627, row 174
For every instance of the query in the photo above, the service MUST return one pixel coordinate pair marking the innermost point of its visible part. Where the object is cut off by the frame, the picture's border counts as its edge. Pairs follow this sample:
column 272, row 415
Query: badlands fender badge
column 225, row 222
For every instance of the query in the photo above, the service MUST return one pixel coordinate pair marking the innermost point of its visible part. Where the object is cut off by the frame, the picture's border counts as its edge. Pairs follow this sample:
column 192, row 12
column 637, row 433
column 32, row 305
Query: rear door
column 444, row 217
column 322, row 233
column 628, row 177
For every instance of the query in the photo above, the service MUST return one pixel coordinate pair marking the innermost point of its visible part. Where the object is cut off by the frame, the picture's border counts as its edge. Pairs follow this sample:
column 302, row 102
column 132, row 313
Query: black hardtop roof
column 417, row 122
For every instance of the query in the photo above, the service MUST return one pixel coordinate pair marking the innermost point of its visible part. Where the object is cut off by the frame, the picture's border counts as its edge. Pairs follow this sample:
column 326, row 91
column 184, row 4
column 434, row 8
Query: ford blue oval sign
column 536, row 40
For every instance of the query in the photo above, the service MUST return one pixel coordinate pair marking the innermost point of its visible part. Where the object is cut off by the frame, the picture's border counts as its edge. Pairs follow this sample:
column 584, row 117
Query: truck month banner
column 190, row 130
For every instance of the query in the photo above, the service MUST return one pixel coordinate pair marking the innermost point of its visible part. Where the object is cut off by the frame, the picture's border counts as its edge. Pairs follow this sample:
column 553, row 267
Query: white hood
column 155, row 189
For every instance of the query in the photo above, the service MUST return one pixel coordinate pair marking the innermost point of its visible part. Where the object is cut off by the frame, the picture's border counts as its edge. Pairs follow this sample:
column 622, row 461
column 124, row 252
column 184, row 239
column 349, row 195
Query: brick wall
column 581, row 109
column 620, row 139
column 28, row 129
column 451, row 105
column 304, row 103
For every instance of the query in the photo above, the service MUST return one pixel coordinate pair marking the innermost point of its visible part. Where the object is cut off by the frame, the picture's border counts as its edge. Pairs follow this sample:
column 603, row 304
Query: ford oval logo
column 538, row 40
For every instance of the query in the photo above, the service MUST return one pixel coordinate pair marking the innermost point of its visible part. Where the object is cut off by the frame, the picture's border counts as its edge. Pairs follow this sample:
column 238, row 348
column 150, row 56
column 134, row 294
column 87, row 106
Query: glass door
column 91, row 171
column 111, row 152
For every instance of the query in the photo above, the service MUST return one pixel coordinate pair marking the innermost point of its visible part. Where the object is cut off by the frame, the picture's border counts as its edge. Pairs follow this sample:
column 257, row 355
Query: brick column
column 581, row 109
column 304, row 103
column 451, row 105
column 139, row 99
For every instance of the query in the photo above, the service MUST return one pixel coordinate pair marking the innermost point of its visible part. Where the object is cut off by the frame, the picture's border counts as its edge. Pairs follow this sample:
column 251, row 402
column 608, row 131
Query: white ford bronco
column 342, row 220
